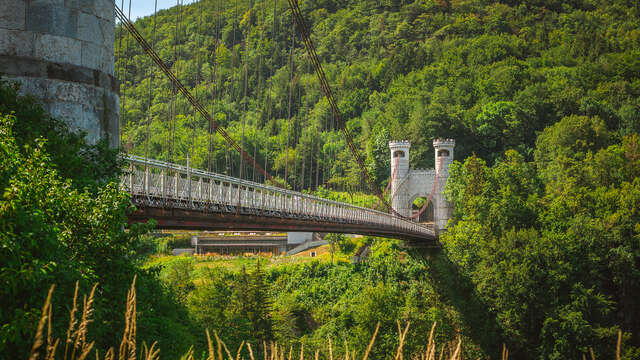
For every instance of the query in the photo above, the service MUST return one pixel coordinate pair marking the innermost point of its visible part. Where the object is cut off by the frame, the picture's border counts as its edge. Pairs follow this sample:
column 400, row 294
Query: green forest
column 489, row 74
column 542, row 255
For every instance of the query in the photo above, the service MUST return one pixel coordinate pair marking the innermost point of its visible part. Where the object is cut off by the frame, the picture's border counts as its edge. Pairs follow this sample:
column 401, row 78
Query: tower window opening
column 443, row 152
column 398, row 154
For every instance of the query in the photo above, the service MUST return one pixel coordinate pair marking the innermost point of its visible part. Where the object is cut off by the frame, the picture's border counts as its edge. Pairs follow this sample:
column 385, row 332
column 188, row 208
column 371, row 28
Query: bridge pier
column 63, row 54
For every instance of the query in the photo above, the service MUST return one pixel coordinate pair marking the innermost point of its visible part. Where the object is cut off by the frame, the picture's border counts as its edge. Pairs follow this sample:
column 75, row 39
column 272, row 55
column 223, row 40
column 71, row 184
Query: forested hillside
column 542, row 98
column 489, row 74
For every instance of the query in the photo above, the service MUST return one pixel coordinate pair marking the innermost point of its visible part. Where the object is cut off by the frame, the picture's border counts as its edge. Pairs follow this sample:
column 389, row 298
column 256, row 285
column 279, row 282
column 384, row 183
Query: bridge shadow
column 457, row 290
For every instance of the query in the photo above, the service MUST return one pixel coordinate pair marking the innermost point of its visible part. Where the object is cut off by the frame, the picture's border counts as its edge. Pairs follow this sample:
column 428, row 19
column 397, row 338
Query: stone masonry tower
column 407, row 184
column 62, row 51
column 444, row 157
column 400, row 200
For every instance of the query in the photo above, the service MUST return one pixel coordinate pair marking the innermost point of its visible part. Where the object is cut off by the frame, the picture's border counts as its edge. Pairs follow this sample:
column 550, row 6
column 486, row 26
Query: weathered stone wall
column 62, row 51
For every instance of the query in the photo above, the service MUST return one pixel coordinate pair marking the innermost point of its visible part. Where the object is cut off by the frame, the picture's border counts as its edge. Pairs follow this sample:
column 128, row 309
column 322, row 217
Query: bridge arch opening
column 428, row 215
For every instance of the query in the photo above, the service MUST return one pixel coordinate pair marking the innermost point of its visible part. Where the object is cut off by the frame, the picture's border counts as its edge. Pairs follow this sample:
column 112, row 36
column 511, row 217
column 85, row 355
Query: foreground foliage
column 553, row 246
column 62, row 223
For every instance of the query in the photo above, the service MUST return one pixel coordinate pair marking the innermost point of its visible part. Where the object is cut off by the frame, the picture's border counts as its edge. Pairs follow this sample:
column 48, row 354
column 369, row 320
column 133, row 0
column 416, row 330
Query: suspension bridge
column 79, row 81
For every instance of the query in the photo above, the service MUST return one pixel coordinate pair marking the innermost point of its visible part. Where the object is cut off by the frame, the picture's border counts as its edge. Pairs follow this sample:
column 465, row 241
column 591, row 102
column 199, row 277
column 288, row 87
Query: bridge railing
column 162, row 184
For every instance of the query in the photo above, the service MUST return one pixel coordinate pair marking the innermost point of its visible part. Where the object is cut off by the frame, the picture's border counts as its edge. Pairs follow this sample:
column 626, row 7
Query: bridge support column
column 63, row 54
column 400, row 177
column 443, row 209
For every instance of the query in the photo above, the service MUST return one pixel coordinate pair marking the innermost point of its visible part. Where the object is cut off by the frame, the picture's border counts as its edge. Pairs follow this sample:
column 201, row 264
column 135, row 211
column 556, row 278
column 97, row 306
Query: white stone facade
column 408, row 184
column 62, row 51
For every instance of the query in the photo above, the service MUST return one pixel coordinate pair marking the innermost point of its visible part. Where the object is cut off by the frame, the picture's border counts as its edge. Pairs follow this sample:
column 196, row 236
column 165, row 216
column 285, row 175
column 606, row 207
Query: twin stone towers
column 409, row 184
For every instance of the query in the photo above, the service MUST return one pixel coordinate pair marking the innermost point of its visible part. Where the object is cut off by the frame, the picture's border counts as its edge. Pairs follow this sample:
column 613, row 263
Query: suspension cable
column 172, row 77
column 293, row 4
column 244, row 102
column 150, row 114
column 291, row 70
column 214, row 94
column 198, row 43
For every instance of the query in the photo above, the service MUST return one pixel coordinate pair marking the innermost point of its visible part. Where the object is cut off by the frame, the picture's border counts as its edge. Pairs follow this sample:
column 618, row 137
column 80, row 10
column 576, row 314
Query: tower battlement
column 444, row 142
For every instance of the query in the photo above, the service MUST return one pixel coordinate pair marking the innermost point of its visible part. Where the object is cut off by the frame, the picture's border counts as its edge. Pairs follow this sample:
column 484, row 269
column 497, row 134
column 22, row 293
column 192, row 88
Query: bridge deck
column 182, row 198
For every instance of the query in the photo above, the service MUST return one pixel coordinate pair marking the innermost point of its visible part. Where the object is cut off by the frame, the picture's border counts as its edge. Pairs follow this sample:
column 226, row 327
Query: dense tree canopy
column 553, row 245
column 490, row 74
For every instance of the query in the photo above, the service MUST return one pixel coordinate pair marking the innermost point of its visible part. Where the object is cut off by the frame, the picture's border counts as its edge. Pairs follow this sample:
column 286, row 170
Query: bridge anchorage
column 409, row 184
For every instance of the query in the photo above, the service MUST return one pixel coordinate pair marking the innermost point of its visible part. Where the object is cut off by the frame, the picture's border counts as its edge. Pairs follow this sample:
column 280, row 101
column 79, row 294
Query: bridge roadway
column 180, row 197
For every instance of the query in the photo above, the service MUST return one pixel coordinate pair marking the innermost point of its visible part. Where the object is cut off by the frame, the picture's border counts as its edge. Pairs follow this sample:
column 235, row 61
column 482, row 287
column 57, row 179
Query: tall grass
column 78, row 348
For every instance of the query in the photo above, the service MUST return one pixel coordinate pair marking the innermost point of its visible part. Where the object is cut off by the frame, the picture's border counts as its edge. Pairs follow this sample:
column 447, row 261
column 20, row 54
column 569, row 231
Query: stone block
column 70, row 92
column 108, row 60
column 49, row 18
column 13, row 14
column 16, row 43
column 36, row 87
column 107, row 29
column 92, row 124
column 18, row 66
column 89, row 28
column 71, row 113
column 105, row 9
column 58, row 49
column 92, row 56
column 86, row 6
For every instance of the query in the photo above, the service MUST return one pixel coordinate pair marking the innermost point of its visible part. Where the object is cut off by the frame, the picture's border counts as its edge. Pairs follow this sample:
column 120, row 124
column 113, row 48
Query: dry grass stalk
column 456, row 353
column 212, row 355
column 618, row 344
column 346, row 352
column 593, row 356
column 128, row 345
column 152, row 353
column 331, row 349
column 220, row 342
column 373, row 339
column 290, row 352
column 402, row 335
column 430, row 354
column 250, row 351
column 81, row 333
column 51, row 346
column 317, row 354
column 72, row 322
column 38, row 341
column 239, row 350
column 301, row 351
column 110, row 355
column 505, row 352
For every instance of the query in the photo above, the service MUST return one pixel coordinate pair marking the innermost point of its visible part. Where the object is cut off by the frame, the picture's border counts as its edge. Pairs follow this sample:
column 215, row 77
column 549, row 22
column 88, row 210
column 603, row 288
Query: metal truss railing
column 160, row 184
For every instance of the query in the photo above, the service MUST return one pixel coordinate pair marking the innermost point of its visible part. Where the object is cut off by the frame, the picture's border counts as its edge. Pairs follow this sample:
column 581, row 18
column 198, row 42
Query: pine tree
column 260, row 300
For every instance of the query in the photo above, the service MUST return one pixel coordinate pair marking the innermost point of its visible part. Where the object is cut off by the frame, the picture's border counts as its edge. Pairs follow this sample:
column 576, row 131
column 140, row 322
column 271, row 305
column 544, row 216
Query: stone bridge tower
column 408, row 184
column 62, row 51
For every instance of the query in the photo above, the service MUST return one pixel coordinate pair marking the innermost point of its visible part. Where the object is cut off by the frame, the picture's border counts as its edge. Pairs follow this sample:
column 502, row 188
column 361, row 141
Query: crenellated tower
column 408, row 184
column 444, row 157
column 400, row 176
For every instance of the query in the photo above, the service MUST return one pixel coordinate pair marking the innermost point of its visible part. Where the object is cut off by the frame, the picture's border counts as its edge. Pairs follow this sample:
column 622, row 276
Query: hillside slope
column 490, row 74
